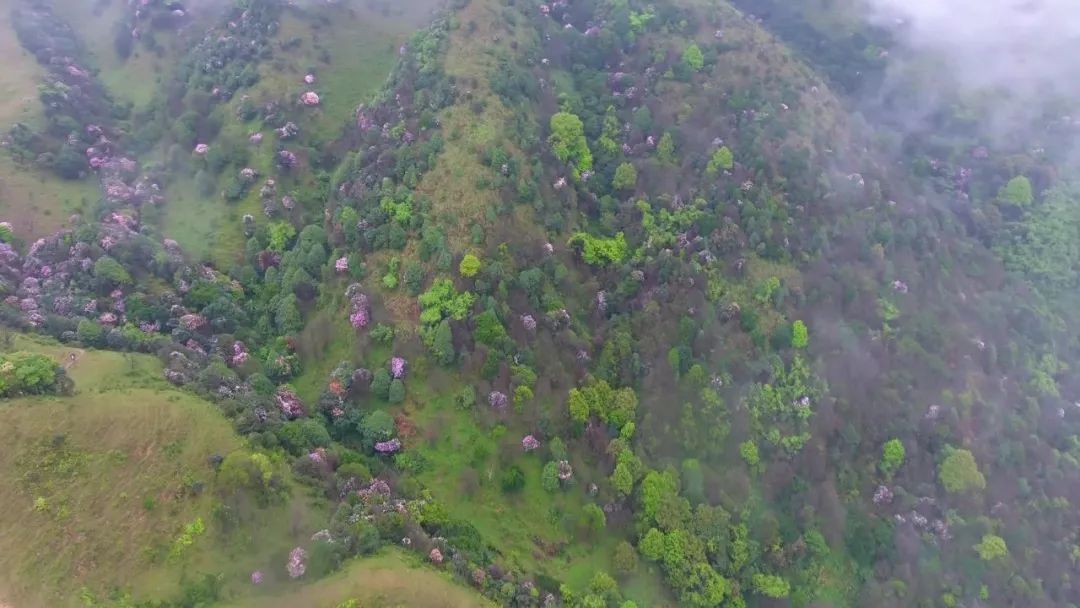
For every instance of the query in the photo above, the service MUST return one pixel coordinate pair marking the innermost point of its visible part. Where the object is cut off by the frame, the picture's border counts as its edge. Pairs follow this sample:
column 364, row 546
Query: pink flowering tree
column 297, row 564
column 397, row 367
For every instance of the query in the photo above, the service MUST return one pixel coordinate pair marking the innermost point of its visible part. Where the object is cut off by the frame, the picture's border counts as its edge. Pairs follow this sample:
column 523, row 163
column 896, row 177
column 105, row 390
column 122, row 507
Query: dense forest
column 589, row 303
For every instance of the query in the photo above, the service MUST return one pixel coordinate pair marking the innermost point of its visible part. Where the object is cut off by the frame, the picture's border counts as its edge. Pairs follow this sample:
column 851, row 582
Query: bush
column 30, row 373
column 396, row 394
column 470, row 265
column 513, row 479
column 625, row 177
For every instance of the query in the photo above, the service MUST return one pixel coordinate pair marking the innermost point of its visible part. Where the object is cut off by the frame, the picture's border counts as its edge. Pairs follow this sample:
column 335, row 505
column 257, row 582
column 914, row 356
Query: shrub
column 469, row 266
column 513, row 479
column 625, row 177
column 991, row 547
column 960, row 473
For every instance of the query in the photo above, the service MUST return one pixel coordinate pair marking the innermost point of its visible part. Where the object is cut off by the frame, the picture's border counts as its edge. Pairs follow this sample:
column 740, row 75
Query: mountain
column 589, row 303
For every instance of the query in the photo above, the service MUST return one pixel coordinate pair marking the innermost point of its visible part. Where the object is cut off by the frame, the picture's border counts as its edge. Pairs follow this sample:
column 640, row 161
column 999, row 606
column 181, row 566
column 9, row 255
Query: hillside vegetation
column 606, row 303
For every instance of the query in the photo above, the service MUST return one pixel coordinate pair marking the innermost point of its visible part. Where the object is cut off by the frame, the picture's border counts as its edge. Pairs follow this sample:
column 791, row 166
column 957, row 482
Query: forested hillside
column 584, row 303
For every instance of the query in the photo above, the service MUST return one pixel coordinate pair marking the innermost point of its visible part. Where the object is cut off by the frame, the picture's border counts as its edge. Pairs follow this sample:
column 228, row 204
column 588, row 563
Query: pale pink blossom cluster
column 883, row 495
column 240, row 354
column 436, row 556
column 201, row 149
column 529, row 322
column 297, row 566
column 309, row 78
column 310, row 98
column 342, row 264
column 289, row 403
column 388, row 447
column 256, row 138
column 192, row 321
column 397, row 367
column 360, row 313
column 530, row 443
column 257, row 577
column 565, row 470
column 497, row 400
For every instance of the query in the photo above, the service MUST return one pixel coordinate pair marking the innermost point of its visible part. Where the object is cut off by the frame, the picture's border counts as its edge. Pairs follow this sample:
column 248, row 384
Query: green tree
column 722, row 158
column 470, row 265
column 442, row 343
column 652, row 545
column 892, row 456
column 800, row 336
column 396, row 394
column 656, row 488
column 281, row 233
column 960, row 473
column 380, row 383
column 513, row 479
column 749, row 452
column 109, row 270
column 665, row 149
column 622, row 479
column 593, row 518
column 625, row 177
column 568, row 142
column 549, row 477
column 692, row 58
column 625, row 559
column 1017, row 192
column 991, row 547
column 771, row 585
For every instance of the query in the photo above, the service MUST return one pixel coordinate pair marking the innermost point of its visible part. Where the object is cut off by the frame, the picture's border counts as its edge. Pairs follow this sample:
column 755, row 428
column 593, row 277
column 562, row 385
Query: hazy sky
column 1025, row 45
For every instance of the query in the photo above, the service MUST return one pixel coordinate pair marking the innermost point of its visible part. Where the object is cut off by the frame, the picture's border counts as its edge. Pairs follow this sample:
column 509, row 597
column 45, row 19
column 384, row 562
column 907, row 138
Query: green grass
column 132, row 80
column 97, row 486
column 390, row 580
column 20, row 76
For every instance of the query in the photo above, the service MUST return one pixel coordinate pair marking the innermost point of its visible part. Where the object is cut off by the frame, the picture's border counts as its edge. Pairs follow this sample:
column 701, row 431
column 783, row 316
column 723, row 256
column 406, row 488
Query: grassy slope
column 94, row 528
column 361, row 46
column 133, row 80
column 386, row 581
column 34, row 202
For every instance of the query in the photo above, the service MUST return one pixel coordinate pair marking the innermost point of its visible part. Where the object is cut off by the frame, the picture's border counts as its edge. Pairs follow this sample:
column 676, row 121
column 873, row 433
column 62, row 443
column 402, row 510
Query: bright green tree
column 470, row 265
column 652, row 545
column 960, row 473
column 991, row 547
column 692, row 58
column 1017, row 191
column 568, row 142
column 800, row 336
column 625, row 177
column 892, row 456
column 665, row 149
column 721, row 159
column 771, row 586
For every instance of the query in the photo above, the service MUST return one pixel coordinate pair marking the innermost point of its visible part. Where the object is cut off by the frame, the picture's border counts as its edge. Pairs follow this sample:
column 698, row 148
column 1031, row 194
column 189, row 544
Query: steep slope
column 610, row 287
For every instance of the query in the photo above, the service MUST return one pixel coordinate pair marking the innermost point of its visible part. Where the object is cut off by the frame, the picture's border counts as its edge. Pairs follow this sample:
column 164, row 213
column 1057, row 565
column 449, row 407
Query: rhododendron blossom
column 530, row 443
column 201, row 149
column 497, row 400
column 342, row 264
column 436, row 556
column 397, row 367
column 297, row 566
column 309, row 98
column 388, row 447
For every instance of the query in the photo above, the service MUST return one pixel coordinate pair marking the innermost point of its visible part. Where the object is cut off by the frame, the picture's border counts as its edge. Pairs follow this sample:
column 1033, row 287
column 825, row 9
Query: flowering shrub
column 435, row 556
column 497, row 400
column 530, row 443
column 290, row 404
column 397, row 367
column 388, row 447
column 297, row 566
